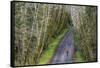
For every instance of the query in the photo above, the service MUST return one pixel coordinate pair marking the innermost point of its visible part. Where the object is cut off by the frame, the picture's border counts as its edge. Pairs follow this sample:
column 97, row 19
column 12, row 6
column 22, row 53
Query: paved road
column 65, row 50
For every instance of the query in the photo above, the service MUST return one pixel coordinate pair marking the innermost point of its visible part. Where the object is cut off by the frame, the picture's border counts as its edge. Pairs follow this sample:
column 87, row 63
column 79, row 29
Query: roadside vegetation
column 49, row 52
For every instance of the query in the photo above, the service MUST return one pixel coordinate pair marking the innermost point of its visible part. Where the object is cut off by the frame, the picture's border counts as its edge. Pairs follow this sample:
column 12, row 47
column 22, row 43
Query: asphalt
column 65, row 50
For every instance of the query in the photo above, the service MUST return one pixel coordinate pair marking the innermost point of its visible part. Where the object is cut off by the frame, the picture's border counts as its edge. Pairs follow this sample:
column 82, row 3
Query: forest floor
column 65, row 50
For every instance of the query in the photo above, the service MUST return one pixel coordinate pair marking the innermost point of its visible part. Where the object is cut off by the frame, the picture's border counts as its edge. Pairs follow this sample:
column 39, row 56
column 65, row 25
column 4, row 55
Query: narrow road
column 64, row 53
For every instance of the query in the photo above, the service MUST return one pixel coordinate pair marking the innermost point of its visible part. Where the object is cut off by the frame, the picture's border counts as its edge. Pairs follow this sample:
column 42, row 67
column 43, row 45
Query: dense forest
column 37, row 25
column 84, row 20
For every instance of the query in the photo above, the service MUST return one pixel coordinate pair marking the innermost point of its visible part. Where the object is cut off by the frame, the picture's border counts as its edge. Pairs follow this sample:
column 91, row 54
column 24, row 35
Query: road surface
column 64, row 53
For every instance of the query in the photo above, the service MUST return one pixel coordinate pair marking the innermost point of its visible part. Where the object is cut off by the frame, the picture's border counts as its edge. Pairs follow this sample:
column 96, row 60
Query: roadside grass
column 78, row 55
column 49, row 52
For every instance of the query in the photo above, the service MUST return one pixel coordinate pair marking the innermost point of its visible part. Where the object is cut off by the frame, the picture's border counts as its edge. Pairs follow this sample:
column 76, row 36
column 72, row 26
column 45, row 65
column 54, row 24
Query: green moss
column 49, row 52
